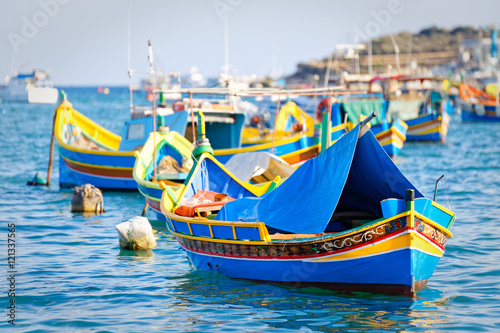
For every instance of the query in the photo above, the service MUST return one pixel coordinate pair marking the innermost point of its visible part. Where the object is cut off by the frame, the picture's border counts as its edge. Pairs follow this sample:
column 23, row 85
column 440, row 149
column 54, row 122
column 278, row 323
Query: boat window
column 135, row 131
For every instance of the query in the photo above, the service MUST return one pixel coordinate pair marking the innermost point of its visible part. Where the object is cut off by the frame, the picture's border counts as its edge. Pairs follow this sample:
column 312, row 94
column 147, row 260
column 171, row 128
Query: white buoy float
column 136, row 234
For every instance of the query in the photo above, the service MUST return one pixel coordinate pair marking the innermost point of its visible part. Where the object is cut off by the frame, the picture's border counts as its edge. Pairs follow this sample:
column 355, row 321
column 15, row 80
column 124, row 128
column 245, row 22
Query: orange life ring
column 323, row 106
column 178, row 106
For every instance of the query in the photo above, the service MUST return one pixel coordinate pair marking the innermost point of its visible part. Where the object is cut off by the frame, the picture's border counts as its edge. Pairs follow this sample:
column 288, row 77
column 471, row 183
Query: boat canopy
column 357, row 108
column 354, row 174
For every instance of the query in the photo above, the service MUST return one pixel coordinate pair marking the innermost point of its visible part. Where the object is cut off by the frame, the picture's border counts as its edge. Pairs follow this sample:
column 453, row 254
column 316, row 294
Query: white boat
column 34, row 87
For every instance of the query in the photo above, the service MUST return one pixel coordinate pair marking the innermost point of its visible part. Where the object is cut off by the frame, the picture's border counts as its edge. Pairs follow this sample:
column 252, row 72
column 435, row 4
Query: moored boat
column 257, row 169
column 32, row 87
column 422, row 106
column 92, row 154
column 347, row 219
column 477, row 105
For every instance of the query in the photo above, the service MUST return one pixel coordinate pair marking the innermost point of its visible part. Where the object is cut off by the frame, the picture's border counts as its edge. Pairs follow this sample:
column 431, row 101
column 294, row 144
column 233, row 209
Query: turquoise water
column 72, row 275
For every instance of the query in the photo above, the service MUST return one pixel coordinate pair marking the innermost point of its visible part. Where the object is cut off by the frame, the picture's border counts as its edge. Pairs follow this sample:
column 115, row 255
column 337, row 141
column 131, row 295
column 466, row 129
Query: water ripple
column 72, row 275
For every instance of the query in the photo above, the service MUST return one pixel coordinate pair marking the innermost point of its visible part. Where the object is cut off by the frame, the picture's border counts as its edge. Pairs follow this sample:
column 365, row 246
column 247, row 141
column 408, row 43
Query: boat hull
column 96, row 160
column 488, row 113
column 431, row 127
column 152, row 195
column 394, row 254
column 118, row 176
column 331, row 275
column 391, row 139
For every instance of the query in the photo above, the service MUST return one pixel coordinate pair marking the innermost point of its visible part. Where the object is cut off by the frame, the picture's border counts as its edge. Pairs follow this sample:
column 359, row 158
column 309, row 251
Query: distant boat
column 339, row 222
column 478, row 105
column 354, row 108
column 293, row 120
column 33, row 87
column 425, row 111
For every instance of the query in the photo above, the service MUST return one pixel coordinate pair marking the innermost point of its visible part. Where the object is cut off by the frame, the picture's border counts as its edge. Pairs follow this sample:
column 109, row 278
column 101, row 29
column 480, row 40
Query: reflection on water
column 135, row 255
column 211, row 298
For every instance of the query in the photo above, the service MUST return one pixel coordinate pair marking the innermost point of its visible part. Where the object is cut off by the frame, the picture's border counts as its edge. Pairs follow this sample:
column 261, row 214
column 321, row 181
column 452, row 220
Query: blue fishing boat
column 30, row 87
column 477, row 105
column 347, row 219
column 293, row 120
column 426, row 111
column 91, row 154
column 256, row 169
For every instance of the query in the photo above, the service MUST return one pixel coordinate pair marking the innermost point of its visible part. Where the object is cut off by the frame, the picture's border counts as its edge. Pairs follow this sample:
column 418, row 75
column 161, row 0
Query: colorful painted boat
column 91, row 154
column 255, row 167
column 477, row 105
column 424, row 110
column 148, row 174
column 294, row 122
column 428, row 127
column 347, row 219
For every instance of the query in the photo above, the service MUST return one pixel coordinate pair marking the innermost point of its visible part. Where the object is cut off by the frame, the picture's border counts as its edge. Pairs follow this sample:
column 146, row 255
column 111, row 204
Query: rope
column 132, row 246
column 447, row 194
column 286, row 242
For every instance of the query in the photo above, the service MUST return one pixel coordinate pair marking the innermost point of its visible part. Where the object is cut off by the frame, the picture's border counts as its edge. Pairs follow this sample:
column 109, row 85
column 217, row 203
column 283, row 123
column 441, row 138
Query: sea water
column 70, row 274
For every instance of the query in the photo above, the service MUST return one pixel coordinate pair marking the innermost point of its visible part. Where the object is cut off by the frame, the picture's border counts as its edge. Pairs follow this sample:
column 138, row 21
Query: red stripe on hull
column 100, row 172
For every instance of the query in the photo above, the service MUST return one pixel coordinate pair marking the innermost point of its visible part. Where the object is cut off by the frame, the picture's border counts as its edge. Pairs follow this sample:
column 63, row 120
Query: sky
column 84, row 42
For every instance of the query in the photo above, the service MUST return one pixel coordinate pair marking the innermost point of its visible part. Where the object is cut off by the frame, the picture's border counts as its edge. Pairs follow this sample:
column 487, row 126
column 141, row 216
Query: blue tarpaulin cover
column 352, row 175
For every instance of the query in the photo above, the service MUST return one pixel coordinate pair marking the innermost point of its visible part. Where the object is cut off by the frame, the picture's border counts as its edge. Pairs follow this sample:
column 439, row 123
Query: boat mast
column 226, row 41
column 396, row 52
column 408, row 54
column 328, row 69
column 128, row 58
column 370, row 56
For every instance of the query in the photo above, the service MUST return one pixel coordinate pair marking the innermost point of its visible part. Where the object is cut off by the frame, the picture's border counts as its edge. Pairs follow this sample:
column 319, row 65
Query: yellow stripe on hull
column 98, row 167
column 408, row 239
column 391, row 141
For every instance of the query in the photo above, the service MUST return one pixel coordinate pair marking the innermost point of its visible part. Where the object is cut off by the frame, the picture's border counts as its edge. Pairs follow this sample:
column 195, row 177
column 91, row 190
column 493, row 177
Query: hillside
column 429, row 47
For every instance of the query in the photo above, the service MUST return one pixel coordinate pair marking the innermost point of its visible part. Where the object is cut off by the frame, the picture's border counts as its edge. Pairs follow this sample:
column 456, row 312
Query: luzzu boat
column 293, row 121
column 256, row 167
column 426, row 112
column 92, row 154
column 347, row 219
column 428, row 127
column 477, row 105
